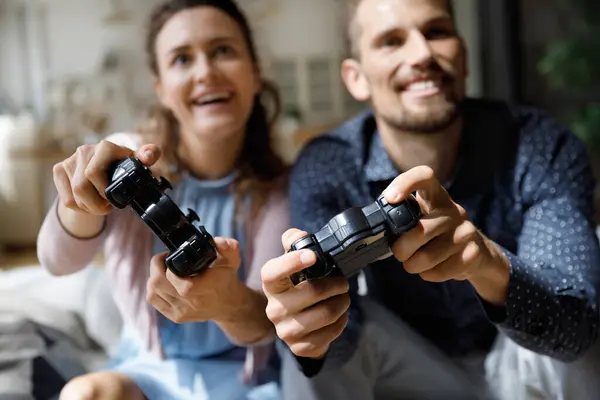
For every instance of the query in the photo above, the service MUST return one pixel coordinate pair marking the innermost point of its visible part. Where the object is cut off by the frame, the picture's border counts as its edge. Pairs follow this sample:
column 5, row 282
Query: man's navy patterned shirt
column 525, row 182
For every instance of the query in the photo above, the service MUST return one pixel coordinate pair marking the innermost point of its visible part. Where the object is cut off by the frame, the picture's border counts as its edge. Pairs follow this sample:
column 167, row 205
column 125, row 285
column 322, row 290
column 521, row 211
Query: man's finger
column 316, row 343
column 431, row 225
column 275, row 274
column 315, row 317
column 309, row 294
column 419, row 179
column 290, row 236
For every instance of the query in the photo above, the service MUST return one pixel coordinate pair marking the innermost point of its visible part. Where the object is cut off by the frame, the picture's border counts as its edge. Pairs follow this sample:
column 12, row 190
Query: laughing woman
column 183, row 338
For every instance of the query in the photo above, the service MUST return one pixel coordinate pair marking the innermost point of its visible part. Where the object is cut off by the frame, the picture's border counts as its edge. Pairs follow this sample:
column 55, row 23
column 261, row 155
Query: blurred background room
column 73, row 71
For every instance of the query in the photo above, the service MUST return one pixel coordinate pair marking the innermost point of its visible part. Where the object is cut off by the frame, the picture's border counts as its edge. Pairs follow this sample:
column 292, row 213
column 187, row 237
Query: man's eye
column 439, row 33
column 391, row 42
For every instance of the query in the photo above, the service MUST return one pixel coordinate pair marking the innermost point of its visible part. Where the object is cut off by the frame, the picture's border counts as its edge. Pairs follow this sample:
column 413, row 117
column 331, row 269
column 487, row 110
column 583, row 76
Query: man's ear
column 465, row 50
column 355, row 80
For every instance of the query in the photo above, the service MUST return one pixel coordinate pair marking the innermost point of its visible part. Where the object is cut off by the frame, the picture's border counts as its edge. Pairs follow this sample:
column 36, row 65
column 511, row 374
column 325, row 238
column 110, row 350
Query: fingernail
column 392, row 195
column 225, row 245
column 149, row 154
column 307, row 257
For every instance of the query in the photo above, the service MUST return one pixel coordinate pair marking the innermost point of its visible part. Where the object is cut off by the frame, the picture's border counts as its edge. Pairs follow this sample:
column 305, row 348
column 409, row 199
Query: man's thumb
column 148, row 154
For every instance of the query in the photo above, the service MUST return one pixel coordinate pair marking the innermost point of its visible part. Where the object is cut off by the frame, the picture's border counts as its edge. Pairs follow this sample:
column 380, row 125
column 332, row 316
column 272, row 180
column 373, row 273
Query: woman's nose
column 203, row 69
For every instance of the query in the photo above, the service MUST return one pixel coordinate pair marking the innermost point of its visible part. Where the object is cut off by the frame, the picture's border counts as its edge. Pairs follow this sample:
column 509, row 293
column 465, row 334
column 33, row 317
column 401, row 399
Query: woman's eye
column 224, row 50
column 180, row 59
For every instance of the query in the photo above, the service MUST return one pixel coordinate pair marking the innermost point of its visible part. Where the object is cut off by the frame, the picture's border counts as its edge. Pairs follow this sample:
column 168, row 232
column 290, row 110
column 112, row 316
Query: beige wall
column 68, row 38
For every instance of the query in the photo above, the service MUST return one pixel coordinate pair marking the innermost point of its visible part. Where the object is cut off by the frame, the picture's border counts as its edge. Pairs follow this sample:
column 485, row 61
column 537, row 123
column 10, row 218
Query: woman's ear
column 158, row 89
column 258, row 81
column 355, row 80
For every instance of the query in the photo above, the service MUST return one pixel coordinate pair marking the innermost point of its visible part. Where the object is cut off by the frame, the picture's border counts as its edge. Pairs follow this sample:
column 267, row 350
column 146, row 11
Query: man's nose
column 418, row 51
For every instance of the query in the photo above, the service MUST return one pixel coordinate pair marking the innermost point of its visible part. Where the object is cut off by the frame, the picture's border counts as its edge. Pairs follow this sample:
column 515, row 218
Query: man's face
column 412, row 63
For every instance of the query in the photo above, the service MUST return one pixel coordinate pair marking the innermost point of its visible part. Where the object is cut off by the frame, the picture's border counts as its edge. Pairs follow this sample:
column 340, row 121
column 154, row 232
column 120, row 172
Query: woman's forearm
column 80, row 224
column 246, row 322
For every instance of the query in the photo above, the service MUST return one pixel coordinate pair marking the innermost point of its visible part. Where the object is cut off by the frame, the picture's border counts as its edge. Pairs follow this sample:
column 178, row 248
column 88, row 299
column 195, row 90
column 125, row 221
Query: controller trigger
column 164, row 184
column 192, row 216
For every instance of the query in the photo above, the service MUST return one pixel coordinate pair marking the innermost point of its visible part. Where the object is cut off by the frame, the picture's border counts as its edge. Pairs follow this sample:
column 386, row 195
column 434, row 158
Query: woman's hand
column 82, row 178
column 214, row 294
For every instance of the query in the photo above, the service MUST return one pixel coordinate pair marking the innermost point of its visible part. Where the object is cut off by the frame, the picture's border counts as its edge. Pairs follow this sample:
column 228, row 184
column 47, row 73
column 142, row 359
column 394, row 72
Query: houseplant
column 572, row 65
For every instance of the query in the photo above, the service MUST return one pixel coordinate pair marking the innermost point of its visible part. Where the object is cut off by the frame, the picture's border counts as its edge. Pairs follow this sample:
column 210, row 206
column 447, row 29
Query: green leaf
column 573, row 65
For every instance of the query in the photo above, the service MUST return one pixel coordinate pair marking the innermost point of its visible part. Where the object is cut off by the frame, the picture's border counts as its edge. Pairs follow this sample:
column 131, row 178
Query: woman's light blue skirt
column 182, row 379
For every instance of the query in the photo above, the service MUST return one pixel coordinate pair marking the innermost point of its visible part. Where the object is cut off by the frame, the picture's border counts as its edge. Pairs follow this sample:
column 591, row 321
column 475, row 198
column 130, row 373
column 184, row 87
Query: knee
column 100, row 386
column 81, row 388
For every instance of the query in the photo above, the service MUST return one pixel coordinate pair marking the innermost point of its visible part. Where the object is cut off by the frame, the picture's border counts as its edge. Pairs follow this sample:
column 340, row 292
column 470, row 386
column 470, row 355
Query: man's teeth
column 422, row 85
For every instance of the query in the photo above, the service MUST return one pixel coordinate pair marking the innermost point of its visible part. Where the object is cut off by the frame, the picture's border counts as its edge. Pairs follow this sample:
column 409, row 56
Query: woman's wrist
column 244, row 318
column 80, row 224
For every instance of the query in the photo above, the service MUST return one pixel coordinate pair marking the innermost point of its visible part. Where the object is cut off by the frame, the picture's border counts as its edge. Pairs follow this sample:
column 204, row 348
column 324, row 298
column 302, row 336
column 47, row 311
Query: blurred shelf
column 41, row 154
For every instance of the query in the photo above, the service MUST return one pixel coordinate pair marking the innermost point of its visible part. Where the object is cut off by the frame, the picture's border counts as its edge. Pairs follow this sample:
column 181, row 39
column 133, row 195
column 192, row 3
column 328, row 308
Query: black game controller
column 191, row 248
column 357, row 237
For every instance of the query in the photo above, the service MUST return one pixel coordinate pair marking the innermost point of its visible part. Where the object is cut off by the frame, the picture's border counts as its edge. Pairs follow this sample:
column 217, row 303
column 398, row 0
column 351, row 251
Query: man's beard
column 437, row 118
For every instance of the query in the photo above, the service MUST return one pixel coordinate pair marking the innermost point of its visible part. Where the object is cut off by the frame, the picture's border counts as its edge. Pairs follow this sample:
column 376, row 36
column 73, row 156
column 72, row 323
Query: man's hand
column 311, row 315
column 445, row 244
column 212, row 295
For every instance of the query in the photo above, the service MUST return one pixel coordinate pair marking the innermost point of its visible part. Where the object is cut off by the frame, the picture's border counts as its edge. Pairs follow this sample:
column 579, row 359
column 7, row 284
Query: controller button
column 401, row 216
column 120, row 194
column 181, row 260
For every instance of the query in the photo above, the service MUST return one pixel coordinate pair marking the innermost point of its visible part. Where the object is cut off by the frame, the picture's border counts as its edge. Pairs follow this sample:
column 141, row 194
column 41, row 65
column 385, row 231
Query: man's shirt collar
column 379, row 165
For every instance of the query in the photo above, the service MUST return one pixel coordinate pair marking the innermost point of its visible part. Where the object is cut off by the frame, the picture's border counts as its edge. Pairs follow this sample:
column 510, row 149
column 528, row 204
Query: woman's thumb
column 229, row 252
column 148, row 154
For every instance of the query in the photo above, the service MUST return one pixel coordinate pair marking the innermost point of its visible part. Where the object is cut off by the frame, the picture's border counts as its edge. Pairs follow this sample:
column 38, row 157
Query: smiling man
column 507, row 243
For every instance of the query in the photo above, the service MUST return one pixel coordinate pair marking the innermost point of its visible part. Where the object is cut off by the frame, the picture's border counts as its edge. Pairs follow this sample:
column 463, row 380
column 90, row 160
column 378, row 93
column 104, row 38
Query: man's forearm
column 246, row 322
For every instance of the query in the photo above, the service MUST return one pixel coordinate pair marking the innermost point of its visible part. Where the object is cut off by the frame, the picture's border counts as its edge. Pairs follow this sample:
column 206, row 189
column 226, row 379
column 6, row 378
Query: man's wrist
column 492, row 278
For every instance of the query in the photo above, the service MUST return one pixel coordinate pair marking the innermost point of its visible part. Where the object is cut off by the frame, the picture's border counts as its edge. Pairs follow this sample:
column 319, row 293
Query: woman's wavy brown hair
column 259, row 167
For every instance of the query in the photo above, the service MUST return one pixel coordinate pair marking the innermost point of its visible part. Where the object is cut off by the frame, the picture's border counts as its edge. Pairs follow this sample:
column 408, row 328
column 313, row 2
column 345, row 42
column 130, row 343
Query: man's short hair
column 353, row 30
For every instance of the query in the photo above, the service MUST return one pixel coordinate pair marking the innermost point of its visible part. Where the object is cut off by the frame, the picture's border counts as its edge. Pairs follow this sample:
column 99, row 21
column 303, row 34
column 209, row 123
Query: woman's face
column 207, row 77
